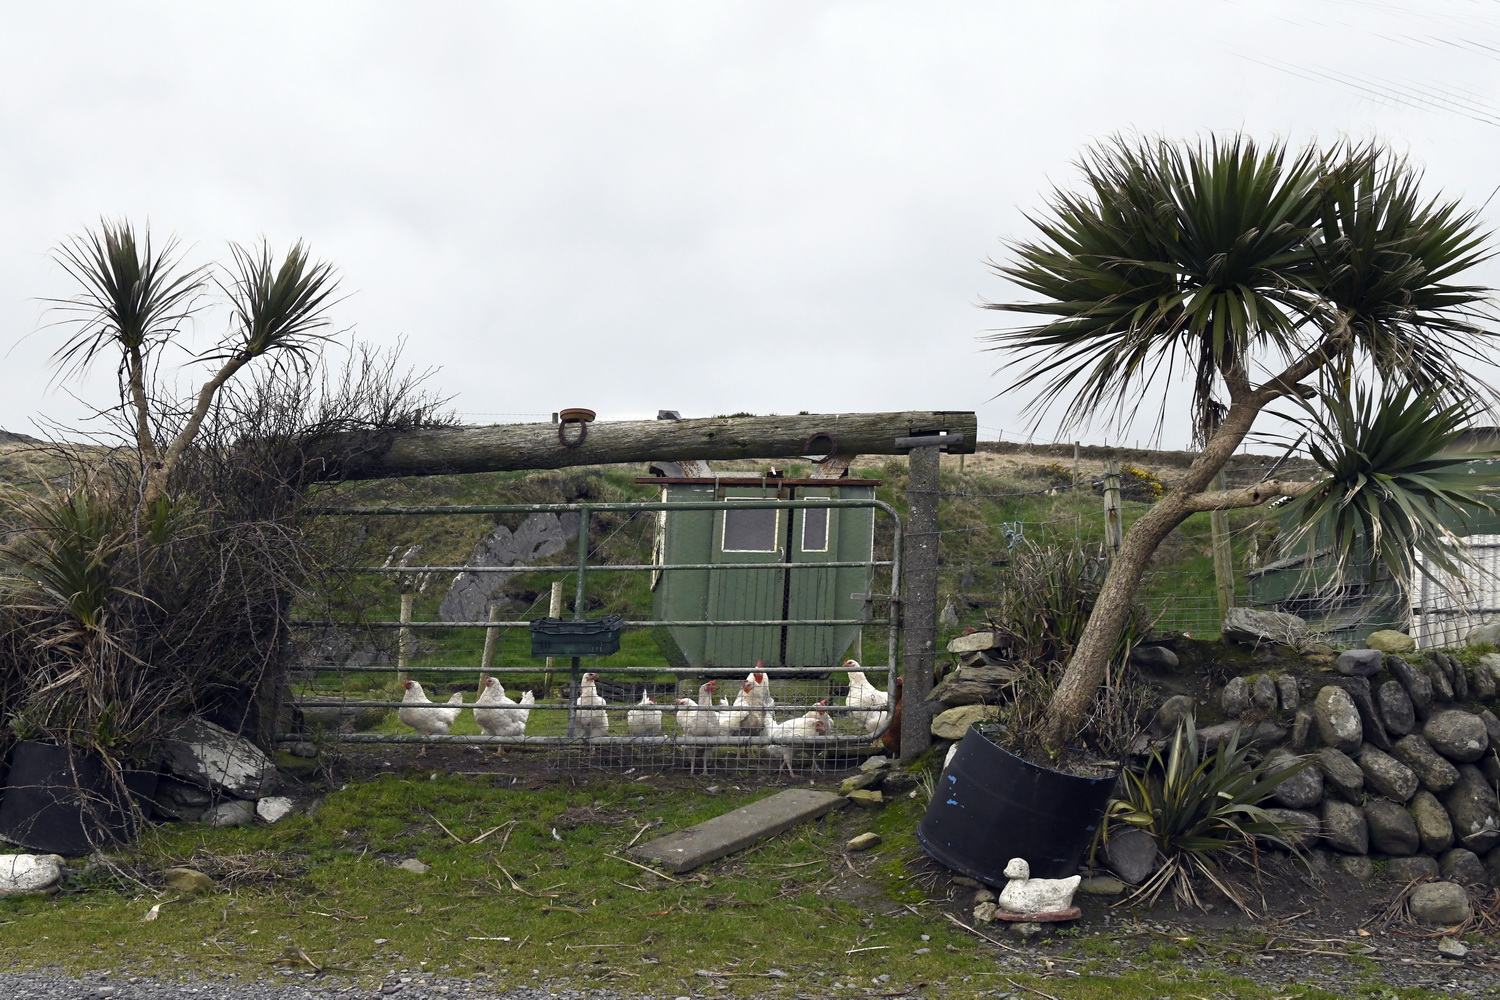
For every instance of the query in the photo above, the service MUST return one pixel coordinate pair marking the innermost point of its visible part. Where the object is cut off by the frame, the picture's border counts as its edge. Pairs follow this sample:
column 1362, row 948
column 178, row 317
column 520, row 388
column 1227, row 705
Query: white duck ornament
column 1024, row 894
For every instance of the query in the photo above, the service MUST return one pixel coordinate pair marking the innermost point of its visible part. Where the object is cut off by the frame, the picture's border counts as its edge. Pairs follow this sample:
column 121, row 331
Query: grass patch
column 324, row 890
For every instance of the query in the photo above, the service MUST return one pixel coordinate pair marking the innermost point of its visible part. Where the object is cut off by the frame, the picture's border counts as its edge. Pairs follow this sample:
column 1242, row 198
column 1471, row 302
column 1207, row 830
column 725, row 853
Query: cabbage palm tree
column 1321, row 278
column 134, row 300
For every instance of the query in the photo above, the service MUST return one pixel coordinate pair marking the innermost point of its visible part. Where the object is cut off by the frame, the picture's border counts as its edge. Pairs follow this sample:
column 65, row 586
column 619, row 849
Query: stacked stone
column 1404, row 755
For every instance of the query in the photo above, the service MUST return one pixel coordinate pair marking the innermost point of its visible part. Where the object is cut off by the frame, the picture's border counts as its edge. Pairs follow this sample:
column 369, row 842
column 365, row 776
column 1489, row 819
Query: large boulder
column 972, row 685
column 201, row 753
column 1338, row 719
column 1433, row 825
column 1302, row 789
column 1299, row 827
column 1388, row 640
column 1463, row 867
column 22, row 874
column 1158, row 658
column 1472, row 806
column 1256, row 627
column 1341, row 774
column 1344, row 827
column 1458, row 735
column 1235, row 698
column 1440, row 904
column 1387, row 775
column 1418, row 685
column 537, row 537
column 1396, row 712
column 1358, row 689
column 1392, row 829
column 1433, row 770
column 1132, row 855
column 1286, row 691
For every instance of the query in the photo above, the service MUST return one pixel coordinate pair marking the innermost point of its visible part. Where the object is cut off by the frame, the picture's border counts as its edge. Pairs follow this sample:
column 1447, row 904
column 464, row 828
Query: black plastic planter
column 990, row 806
column 61, row 801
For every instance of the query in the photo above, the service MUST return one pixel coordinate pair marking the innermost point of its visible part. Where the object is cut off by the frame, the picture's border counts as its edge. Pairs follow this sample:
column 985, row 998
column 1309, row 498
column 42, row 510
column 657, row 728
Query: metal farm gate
column 379, row 630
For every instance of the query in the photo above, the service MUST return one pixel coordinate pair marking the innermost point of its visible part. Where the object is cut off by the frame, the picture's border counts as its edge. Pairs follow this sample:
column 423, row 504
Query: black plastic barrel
column 990, row 806
column 58, row 800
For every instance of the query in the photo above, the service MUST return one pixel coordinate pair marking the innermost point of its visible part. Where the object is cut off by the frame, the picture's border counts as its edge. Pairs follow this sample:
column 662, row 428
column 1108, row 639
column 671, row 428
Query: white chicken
column 864, row 695
column 756, row 693
column 784, row 735
column 434, row 720
column 497, row 714
column 590, row 719
column 643, row 721
column 697, row 721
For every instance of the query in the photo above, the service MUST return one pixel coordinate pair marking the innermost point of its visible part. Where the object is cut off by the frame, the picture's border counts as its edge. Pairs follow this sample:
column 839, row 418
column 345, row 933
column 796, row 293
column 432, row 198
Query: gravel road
column 55, row 986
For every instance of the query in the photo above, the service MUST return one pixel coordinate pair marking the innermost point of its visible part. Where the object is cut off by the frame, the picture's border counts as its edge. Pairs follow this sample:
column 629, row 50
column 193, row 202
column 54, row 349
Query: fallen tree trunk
column 436, row 451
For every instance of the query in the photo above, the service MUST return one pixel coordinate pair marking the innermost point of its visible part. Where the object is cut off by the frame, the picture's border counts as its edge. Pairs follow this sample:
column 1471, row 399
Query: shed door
column 811, row 592
column 750, row 535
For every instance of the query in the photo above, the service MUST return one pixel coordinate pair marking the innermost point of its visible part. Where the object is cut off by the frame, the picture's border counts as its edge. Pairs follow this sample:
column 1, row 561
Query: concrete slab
column 712, row 839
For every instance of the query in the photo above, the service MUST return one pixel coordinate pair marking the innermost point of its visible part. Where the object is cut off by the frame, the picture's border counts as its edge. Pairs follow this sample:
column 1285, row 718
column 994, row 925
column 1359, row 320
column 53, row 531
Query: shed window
column 751, row 530
column 815, row 529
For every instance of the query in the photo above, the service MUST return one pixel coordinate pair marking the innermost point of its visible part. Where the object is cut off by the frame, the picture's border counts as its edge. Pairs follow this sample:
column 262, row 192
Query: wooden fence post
column 1114, row 528
column 1223, row 553
column 919, row 599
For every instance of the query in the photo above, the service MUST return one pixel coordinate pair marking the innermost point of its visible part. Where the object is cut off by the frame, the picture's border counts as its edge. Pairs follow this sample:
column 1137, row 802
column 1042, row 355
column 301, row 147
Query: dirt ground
column 1315, row 925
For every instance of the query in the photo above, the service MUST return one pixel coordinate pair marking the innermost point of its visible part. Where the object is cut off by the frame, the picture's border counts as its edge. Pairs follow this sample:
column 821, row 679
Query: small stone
column 1341, row 774
column 776, row 974
column 1387, row 775
column 876, row 763
column 1303, row 788
column 414, row 866
column 1388, row 640
column 922, row 951
column 1024, row 929
column 1442, row 681
column 1302, row 729
column 1338, row 719
column 1462, row 867
column 1396, row 711
column 1344, row 827
column 1440, row 904
column 1392, row 829
column 1235, row 698
column 188, row 880
column 104, row 991
column 1433, row 825
column 1263, row 693
column 866, row 798
column 955, row 722
column 1171, row 714
column 1102, row 885
column 863, row 842
column 974, row 642
column 967, row 882
column 28, row 873
column 1286, row 692
column 1452, row 947
column 234, row 812
column 1417, row 684
column 1411, row 869
column 1458, row 735
column 984, row 896
column 1299, row 827
column 1484, row 635
column 1153, row 658
column 1435, row 772
column 274, row 808
column 855, row 782
column 304, row 750
column 1356, row 865
column 1131, row 854
column 1360, row 662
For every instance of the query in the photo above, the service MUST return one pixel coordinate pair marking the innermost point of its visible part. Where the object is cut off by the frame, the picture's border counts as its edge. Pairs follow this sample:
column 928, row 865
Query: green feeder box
column 792, row 586
column 576, row 636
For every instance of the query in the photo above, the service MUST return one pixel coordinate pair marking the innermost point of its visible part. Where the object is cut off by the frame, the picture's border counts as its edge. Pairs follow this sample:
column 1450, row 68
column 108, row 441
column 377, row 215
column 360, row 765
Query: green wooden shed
column 792, row 543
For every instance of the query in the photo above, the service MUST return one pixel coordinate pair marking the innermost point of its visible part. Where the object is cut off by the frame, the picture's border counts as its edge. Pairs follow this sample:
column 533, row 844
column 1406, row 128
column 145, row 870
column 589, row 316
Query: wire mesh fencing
column 422, row 636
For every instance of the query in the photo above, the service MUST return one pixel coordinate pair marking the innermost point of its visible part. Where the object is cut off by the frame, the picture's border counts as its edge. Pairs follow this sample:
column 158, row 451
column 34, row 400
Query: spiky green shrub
column 1202, row 806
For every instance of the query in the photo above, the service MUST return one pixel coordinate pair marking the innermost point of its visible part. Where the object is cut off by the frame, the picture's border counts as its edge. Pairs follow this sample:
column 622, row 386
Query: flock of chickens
column 750, row 714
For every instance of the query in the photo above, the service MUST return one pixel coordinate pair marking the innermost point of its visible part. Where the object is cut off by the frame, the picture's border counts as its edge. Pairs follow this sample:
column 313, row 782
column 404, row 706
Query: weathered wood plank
column 506, row 447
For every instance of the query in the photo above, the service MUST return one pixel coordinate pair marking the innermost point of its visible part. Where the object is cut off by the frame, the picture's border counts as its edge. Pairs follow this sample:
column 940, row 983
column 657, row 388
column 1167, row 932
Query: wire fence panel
column 1446, row 606
column 418, row 642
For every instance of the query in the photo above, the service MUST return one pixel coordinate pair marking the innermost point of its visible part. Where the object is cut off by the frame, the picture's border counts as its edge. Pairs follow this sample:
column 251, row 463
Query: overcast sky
column 709, row 207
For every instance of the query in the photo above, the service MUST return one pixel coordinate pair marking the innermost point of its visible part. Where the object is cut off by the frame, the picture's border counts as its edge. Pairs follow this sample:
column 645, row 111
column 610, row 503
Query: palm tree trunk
column 1089, row 663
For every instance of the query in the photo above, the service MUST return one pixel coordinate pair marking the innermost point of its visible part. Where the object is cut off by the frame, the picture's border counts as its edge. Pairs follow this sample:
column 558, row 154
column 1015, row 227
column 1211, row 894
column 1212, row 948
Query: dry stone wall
column 1405, row 752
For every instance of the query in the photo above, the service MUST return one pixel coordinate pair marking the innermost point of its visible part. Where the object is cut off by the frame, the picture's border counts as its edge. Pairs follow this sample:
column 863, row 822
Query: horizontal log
column 436, row 451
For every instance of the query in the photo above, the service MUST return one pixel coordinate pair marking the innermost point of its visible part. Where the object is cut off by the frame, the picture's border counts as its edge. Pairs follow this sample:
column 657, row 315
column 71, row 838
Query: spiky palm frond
column 277, row 307
column 133, row 295
column 1223, row 257
column 1173, row 258
column 1395, row 479
column 1383, row 260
